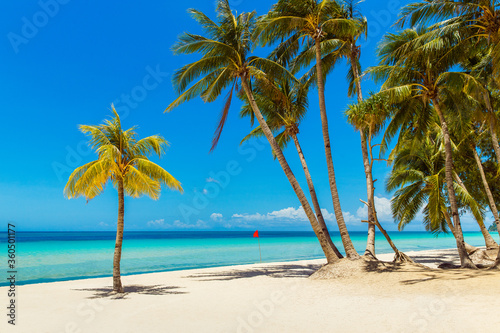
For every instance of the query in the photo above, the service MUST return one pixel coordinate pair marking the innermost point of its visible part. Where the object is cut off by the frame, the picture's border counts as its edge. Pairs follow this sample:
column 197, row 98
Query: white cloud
column 350, row 219
column 156, row 223
column 212, row 180
column 329, row 217
column 383, row 207
column 104, row 225
column 200, row 224
column 216, row 217
column 177, row 224
column 289, row 214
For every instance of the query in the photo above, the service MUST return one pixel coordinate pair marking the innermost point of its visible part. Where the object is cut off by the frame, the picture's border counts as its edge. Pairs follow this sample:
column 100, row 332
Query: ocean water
column 58, row 256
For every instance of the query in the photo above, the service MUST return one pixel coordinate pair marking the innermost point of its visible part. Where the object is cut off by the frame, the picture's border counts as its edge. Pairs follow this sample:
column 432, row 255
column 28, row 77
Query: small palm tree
column 123, row 161
column 318, row 22
column 226, row 63
column 369, row 117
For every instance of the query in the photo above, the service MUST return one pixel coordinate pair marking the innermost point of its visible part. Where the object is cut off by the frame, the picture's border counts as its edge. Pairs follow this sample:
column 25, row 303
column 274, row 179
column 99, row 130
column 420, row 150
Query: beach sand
column 269, row 297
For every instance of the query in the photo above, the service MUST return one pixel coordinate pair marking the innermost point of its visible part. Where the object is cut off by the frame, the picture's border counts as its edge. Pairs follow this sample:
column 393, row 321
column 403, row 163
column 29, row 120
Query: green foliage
column 493, row 227
column 282, row 105
column 121, row 158
column 225, row 58
column 370, row 115
column 418, row 176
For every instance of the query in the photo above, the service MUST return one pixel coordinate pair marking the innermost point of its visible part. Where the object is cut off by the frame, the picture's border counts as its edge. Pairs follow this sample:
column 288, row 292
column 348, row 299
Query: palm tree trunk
column 469, row 248
column 491, row 201
column 399, row 256
column 370, row 240
column 314, row 197
column 494, row 140
column 117, row 283
column 488, row 240
column 465, row 261
column 490, row 244
column 370, row 243
column 346, row 239
column 330, row 255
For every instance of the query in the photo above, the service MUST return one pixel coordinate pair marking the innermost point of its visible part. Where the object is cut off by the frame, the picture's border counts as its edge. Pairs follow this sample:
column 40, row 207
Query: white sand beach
column 269, row 297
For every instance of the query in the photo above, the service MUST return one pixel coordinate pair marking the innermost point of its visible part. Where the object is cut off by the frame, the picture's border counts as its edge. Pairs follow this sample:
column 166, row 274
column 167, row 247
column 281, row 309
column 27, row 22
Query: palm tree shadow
column 154, row 290
column 274, row 271
column 422, row 274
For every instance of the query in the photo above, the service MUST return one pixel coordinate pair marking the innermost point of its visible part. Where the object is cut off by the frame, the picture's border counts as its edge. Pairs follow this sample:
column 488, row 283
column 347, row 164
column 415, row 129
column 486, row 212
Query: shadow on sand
column 448, row 270
column 155, row 290
column 274, row 271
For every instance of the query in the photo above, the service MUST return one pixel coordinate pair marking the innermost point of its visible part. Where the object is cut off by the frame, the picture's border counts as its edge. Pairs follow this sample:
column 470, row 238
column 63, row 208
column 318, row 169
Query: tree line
column 437, row 108
column 437, row 103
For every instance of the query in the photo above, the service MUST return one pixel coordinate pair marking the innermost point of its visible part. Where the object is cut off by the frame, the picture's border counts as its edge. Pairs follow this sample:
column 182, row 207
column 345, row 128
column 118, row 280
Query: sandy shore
column 271, row 297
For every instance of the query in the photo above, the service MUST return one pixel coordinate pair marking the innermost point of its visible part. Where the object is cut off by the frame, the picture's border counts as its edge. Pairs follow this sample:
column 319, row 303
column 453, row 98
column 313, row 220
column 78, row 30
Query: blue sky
column 64, row 62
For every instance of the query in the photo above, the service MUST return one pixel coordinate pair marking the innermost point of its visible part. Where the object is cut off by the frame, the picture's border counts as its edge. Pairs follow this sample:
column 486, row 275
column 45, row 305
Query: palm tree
column 411, row 71
column 123, row 161
column 226, row 62
column 350, row 11
column 316, row 21
column 418, row 176
column 284, row 106
column 369, row 117
column 478, row 21
column 479, row 64
column 464, row 129
column 490, row 243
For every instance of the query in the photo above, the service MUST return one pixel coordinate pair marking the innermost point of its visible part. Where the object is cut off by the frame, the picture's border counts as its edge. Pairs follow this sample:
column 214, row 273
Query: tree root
column 401, row 258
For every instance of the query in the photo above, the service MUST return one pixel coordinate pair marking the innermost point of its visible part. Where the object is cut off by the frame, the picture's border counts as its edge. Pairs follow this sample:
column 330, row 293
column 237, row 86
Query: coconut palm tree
column 124, row 161
column 469, row 147
column 226, row 63
column 318, row 22
column 479, row 64
column 418, row 176
column 476, row 20
column 411, row 71
column 350, row 11
column 369, row 117
column 284, row 106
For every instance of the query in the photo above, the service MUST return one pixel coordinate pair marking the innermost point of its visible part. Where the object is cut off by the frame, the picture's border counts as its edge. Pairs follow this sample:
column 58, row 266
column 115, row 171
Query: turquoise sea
column 58, row 256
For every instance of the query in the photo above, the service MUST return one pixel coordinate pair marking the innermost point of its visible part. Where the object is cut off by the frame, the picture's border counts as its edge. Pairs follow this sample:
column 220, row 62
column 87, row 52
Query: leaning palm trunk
column 469, row 248
column 491, row 201
column 465, row 260
column 330, row 254
column 494, row 140
column 117, row 283
column 344, row 233
column 488, row 240
column 314, row 197
column 399, row 257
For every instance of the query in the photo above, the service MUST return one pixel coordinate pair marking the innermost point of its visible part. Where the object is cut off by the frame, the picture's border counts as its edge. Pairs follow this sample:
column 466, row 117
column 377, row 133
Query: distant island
column 493, row 227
